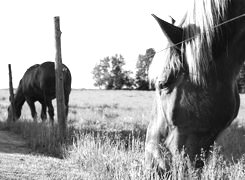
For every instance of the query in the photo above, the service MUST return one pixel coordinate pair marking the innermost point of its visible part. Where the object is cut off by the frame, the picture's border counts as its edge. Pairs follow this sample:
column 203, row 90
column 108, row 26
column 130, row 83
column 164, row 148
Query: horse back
column 40, row 79
column 28, row 83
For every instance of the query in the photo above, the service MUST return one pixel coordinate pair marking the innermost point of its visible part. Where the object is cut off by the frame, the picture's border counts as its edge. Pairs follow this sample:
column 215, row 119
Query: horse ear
column 173, row 33
column 10, row 98
column 172, row 20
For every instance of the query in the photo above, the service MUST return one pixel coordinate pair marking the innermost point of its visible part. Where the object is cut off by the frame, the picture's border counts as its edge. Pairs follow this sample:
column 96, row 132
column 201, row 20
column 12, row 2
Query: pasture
column 106, row 138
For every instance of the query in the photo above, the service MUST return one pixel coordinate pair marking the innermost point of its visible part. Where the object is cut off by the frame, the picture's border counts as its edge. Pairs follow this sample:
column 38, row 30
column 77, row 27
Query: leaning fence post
column 11, row 92
column 59, row 82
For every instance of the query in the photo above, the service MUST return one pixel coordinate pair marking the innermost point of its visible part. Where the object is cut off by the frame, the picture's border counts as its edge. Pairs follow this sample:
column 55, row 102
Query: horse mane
column 198, row 27
column 200, row 21
column 33, row 67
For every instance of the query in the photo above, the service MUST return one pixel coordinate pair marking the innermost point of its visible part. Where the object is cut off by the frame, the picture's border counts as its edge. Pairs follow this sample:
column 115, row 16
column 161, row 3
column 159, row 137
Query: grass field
column 106, row 138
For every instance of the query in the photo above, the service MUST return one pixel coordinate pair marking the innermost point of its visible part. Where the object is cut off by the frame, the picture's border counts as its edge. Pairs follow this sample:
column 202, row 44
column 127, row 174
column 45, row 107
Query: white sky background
column 91, row 30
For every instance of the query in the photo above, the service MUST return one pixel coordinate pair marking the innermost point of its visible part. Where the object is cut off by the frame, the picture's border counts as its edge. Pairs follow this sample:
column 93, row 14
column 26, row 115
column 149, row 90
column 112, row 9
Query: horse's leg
column 33, row 109
column 50, row 111
column 43, row 113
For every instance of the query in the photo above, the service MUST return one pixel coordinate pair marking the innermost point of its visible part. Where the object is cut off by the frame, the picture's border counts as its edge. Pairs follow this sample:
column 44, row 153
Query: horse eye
column 161, row 84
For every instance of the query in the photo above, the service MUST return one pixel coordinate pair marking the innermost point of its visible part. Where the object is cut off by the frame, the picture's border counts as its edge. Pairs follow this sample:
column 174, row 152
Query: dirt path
column 12, row 143
column 17, row 161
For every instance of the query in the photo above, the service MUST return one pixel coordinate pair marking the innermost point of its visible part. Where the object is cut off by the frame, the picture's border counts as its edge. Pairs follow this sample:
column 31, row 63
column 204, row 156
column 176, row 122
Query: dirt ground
column 17, row 161
column 12, row 143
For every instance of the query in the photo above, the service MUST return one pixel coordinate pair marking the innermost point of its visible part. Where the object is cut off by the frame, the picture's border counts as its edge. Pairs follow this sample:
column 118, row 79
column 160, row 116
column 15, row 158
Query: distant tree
column 142, row 69
column 117, row 72
column 101, row 73
column 109, row 73
column 129, row 82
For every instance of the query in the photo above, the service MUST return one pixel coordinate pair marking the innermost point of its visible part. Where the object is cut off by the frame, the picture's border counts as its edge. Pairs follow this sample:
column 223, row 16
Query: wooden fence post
column 59, row 82
column 11, row 92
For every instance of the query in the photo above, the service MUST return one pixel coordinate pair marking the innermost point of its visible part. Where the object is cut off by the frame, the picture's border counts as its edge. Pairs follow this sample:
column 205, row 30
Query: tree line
column 110, row 73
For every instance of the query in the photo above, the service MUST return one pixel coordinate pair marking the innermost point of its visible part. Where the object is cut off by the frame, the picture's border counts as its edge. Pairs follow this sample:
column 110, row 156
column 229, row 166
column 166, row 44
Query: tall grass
column 106, row 160
column 106, row 155
column 41, row 137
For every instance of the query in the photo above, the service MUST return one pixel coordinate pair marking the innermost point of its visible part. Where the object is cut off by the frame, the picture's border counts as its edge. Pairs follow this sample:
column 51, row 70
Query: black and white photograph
column 122, row 90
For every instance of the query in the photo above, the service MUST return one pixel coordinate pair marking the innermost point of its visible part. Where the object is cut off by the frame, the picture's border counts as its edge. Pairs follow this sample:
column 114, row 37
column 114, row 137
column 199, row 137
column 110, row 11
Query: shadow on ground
column 12, row 143
column 45, row 139
column 231, row 140
column 41, row 138
column 125, row 137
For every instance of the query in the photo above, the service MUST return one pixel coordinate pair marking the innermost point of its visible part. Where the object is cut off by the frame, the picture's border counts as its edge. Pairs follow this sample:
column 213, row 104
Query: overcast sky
column 91, row 30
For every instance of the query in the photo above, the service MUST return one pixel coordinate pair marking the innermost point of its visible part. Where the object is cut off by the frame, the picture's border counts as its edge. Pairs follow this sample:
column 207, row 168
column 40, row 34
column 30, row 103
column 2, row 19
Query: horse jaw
column 173, row 33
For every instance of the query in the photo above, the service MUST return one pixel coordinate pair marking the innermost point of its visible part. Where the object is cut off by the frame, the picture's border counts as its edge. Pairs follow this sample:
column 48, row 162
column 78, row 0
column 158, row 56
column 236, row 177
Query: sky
column 91, row 30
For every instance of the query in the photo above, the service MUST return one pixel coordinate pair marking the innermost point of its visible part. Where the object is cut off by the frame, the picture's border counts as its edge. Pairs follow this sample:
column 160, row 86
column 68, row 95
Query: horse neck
column 228, row 51
column 237, row 33
column 236, row 53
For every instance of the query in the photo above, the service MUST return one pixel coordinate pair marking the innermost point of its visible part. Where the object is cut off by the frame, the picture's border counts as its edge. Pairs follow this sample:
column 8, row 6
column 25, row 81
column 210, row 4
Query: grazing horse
column 196, row 87
column 38, row 84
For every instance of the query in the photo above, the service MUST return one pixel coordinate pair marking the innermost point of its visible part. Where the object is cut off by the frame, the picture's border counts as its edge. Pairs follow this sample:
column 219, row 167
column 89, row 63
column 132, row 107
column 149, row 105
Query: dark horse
column 38, row 84
column 197, row 95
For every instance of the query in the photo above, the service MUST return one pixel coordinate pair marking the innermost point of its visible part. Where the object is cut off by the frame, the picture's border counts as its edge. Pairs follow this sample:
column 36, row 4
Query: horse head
column 13, row 113
column 196, row 89
column 14, row 109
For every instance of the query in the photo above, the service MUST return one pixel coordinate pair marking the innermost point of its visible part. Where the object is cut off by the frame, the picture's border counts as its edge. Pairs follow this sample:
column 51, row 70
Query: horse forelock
column 199, row 31
column 165, row 62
